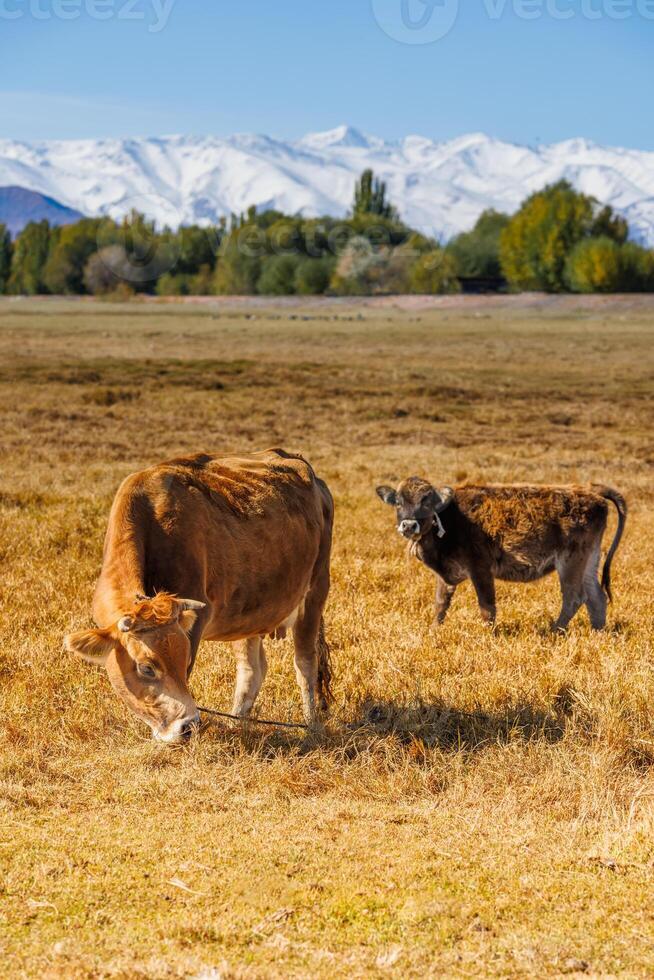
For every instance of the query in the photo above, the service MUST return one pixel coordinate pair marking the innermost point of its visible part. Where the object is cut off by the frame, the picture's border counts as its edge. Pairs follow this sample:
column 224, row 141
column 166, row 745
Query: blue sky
column 521, row 70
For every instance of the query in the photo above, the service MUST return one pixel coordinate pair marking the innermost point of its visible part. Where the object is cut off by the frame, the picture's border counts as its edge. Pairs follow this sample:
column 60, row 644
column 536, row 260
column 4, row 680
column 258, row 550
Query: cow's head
column 417, row 505
column 147, row 655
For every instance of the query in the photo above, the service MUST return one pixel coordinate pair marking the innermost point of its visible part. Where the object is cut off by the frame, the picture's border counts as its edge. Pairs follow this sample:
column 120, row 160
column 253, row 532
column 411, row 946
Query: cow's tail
column 621, row 506
column 324, row 668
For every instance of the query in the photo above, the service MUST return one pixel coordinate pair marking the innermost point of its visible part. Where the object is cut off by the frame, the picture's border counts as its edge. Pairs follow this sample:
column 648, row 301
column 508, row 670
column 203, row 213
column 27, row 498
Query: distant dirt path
column 547, row 302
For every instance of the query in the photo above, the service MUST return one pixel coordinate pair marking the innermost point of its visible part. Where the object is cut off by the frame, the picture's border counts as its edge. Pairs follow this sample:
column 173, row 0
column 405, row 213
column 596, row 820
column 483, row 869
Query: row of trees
column 563, row 240
column 559, row 240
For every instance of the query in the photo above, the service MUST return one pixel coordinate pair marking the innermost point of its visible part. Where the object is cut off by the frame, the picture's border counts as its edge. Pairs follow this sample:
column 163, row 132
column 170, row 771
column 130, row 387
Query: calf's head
column 147, row 655
column 417, row 505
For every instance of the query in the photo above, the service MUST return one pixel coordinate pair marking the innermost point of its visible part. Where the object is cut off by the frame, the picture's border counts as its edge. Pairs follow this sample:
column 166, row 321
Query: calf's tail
column 324, row 668
column 621, row 506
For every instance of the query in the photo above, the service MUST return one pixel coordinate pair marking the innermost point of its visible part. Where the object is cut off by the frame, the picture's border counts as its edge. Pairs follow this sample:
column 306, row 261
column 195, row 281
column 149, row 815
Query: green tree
column 435, row 272
column 356, row 268
column 196, row 247
column 477, row 252
column 64, row 270
column 379, row 230
column 312, row 276
column 536, row 243
column 30, row 255
column 285, row 237
column 173, row 284
column 318, row 237
column 363, row 270
column 370, row 197
column 608, row 224
column 107, row 271
column 148, row 253
column 240, row 261
column 278, row 275
column 637, row 268
column 201, row 284
column 5, row 257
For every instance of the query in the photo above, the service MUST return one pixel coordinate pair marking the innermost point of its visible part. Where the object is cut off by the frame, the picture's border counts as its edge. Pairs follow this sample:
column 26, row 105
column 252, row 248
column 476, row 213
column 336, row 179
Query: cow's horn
column 191, row 604
column 447, row 495
column 125, row 624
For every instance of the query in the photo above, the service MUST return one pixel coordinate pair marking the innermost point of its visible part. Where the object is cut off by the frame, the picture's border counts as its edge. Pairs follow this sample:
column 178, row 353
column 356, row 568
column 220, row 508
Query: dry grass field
column 483, row 801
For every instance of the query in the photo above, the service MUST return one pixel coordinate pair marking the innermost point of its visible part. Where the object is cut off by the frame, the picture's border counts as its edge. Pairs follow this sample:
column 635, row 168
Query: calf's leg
column 484, row 584
column 251, row 669
column 444, row 593
column 571, row 576
column 595, row 596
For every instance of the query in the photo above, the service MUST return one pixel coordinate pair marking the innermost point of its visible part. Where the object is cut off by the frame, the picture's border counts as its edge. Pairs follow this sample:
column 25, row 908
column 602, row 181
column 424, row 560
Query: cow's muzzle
column 409, row 529
column 179, row 732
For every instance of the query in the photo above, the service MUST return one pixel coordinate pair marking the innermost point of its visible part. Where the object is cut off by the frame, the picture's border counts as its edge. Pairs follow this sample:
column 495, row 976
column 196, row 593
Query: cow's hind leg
column 595, row 597
column 571, row 576
column 312, row 666
column 307, row 639
column 251, row 669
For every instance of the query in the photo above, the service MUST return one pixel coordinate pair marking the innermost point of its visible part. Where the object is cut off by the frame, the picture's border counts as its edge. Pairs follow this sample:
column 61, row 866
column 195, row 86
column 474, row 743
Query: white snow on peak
column 342, row 136
column 438, row 187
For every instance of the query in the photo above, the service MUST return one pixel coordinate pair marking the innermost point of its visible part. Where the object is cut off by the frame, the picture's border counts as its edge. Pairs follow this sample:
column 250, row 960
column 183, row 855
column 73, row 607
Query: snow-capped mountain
column 440, row 188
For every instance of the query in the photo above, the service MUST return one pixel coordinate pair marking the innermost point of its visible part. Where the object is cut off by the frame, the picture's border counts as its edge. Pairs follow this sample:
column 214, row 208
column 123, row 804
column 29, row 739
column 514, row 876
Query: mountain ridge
column 438, row 187
column 19, row 205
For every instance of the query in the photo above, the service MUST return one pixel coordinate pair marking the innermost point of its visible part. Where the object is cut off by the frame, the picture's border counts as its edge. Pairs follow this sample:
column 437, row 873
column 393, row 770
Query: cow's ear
column 388, row 495
column 187, row 620
column 93, row 646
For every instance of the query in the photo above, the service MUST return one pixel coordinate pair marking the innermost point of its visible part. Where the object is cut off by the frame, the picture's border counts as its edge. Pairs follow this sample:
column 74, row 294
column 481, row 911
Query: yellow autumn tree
column 435, row 272
column 594, row 266
column 601, row 265
column 536, row 243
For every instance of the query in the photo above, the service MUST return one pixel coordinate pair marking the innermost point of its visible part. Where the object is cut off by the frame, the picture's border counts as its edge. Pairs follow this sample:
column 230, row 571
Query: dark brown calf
column 515, row 533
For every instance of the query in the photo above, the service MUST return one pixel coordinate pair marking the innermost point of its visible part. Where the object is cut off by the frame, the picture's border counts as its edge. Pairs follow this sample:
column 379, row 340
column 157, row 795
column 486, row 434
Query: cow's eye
column 147, row 672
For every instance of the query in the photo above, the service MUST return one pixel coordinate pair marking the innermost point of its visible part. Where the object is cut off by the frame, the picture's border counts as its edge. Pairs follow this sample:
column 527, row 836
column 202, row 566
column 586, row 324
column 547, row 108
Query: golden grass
column 482, row 804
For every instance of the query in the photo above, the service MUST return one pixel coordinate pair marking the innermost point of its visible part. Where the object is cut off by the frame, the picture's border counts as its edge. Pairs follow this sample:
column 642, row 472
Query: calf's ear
column 93, row 646
column 388, row 495
column 445, row 497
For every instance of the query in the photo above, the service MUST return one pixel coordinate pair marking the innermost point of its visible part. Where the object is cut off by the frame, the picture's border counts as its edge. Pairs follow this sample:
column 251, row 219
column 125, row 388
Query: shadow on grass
column 431, row 724
column 444, row 726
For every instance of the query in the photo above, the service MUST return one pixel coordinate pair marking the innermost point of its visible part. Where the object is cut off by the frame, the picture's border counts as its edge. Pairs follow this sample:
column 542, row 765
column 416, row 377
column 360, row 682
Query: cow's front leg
column 251, row 669
column 444, row 593
column 484, row 584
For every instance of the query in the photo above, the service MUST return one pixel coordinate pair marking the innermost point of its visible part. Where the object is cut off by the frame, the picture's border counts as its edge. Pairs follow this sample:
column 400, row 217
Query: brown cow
column 231, row 548
column 515, row 533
